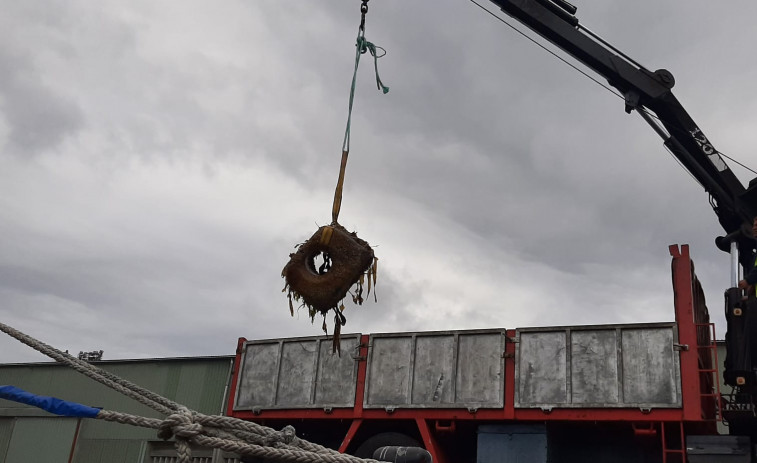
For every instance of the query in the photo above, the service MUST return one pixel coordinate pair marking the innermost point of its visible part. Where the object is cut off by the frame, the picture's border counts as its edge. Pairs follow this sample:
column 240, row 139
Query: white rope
column 190, row 427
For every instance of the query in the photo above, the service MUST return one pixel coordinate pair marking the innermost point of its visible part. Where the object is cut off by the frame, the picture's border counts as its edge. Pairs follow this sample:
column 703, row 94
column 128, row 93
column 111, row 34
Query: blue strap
column 49, row 404
column 362, row 46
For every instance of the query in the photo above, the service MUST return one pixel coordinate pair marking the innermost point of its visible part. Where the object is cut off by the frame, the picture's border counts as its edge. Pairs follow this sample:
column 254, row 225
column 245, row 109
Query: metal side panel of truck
column 634, row 366
column 615, row 393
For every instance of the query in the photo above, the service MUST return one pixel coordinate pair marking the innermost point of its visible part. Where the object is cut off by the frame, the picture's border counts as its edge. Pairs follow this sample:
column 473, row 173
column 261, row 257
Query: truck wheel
column 383, row 439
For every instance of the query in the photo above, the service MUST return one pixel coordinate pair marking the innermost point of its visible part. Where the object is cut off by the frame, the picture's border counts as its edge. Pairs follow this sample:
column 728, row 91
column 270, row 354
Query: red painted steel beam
column 350, row 435
column 362, row 369
column 687, row 332
column 520, row 414
column 75, row 441
column 509, row 411
column 598, row 414
column 430, row 442
column 235, row 377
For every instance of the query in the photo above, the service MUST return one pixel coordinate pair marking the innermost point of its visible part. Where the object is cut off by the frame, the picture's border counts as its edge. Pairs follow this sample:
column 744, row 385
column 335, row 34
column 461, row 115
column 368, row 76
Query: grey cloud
column 37, row 117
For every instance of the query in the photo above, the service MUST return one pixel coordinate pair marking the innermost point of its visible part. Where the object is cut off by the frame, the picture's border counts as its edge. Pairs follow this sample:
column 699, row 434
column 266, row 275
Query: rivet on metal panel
column 257, row 411
column 677, row 346
column 389, row 409
column 645, row 410
column 472, row 409
column 327, row 410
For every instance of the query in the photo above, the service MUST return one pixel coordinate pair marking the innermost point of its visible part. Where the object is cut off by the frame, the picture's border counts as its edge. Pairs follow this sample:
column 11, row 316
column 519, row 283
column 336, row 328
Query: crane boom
column 649, row 93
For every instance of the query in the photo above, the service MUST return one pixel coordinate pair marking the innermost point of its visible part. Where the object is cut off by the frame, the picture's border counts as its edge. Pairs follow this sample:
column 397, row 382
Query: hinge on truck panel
column 680, row 347
column 356, row 354
column 645, row 410
column 389, row 409
column 257, row 411
column 327, row 410
column 508, row 355
column 511, row 339
column 546, row 409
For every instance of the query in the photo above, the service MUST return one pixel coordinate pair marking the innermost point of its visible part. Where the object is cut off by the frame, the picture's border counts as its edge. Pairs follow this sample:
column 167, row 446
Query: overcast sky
column 160, row 160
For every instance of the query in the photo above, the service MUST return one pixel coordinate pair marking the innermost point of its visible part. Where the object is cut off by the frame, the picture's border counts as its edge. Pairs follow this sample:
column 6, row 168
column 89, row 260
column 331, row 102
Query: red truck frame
column 666, row 428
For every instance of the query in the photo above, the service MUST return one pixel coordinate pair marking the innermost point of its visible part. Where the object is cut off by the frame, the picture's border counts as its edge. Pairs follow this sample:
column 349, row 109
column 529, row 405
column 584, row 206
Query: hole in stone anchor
column 320, row 263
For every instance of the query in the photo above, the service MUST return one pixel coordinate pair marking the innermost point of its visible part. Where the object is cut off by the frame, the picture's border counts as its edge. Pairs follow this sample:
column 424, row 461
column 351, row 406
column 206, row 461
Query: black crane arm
column 650, row 94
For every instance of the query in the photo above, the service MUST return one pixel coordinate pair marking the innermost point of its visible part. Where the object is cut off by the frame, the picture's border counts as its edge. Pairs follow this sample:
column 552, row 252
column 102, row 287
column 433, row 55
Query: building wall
column 28, row 434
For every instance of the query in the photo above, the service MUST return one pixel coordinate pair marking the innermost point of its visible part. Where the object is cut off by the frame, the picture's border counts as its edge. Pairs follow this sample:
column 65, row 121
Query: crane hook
column 363, row 11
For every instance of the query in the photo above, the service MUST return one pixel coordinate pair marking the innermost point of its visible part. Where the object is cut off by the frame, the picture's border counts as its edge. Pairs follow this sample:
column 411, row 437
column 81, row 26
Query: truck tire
column 366, row 449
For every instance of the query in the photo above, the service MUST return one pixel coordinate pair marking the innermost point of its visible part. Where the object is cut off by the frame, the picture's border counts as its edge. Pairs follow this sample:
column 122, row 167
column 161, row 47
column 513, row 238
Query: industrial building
column 28, row 434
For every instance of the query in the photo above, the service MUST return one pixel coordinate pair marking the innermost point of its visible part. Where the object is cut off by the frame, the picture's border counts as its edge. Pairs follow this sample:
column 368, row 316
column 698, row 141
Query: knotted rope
column 191, row 427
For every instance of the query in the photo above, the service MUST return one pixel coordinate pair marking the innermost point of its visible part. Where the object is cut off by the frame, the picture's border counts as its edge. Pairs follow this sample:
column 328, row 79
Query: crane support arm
column 650, row 94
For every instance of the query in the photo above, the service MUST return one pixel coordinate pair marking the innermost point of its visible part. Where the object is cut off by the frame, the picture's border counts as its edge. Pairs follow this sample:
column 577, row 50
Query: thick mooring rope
column 191, row 427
